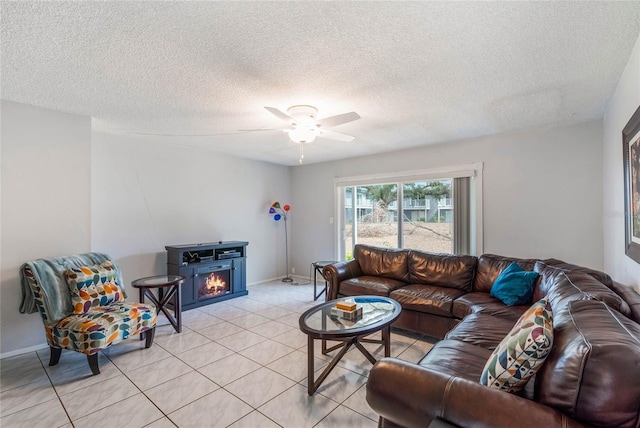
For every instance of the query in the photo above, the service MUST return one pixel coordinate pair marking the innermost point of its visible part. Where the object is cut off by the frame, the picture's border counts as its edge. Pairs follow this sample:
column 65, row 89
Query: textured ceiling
column 417, row 72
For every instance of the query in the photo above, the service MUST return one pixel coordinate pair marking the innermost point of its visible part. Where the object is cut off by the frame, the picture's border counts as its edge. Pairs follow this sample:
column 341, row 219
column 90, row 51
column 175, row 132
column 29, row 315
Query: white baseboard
column 299, row 278
column 264, row 281
column 279, row 279
column 23, row 351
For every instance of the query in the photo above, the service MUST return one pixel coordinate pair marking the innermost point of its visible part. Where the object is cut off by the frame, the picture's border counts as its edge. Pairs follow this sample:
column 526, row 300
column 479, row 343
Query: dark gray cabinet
column 214, row 271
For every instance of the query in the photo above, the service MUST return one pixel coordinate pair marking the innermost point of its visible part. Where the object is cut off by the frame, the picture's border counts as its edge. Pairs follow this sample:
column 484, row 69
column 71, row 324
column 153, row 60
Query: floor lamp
column 281, row 213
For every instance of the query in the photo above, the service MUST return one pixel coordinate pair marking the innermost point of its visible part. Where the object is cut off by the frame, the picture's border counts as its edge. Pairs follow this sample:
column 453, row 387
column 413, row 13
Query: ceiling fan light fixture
column 303, row 114
column 305, row 127
column 302, row 134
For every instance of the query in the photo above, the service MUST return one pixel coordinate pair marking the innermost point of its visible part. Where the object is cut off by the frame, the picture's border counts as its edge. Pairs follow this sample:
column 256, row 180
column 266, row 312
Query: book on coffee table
column 348, row 315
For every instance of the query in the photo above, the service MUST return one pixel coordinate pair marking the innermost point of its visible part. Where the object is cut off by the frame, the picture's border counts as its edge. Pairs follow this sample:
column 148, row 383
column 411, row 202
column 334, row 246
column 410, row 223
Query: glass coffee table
column 317, row 323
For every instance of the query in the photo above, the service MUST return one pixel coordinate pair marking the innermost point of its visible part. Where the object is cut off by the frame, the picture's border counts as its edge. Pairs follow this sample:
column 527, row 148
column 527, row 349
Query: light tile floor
column 237, row 363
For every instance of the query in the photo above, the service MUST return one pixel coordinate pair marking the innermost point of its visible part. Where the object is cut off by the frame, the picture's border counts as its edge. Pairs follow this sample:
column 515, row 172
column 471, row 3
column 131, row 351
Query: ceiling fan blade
column 337, row 136
column 328, row 122
column 280, row 114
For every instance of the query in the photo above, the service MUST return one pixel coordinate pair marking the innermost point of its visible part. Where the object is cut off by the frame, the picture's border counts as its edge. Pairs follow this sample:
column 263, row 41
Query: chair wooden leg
column 54, row 355
column 149, row 335
column 93, row 363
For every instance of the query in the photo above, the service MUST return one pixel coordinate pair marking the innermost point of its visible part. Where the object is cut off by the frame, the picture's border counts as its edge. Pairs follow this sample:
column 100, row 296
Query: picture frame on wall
column 631, row 165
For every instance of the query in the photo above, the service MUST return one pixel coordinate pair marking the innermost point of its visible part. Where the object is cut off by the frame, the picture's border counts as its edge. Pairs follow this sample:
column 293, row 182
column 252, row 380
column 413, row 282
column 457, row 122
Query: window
column 437, row 211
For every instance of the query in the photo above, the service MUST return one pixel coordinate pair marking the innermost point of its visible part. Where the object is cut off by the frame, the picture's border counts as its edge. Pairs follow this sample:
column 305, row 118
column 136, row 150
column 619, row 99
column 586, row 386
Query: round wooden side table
column 173, row 283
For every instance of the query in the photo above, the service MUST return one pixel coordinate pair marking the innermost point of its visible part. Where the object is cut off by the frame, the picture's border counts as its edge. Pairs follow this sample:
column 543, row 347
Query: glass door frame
column 474, row 171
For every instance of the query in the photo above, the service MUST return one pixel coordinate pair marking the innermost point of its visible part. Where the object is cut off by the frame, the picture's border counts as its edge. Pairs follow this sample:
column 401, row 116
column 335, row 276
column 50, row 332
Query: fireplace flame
column 215, row 284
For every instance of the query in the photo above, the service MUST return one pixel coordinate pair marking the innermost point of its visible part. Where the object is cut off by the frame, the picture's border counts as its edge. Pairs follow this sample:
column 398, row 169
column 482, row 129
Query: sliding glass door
column 369, row 218
column 427, row 216
column 437, row 210
column 416, row 214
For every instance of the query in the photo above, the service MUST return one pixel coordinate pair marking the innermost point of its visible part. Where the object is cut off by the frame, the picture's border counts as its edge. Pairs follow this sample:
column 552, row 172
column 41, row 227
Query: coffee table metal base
column 357, row 341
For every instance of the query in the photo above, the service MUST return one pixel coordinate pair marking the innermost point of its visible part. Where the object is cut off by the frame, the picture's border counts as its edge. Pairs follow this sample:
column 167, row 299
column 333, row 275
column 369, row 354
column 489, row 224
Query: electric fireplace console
column 214, row 271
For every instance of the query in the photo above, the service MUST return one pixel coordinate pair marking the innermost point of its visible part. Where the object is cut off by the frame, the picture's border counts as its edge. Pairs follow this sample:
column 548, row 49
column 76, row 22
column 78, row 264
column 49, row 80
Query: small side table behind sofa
column 317, row 268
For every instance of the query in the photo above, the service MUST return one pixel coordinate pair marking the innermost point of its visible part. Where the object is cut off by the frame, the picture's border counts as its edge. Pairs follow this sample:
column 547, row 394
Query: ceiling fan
column 304, row 128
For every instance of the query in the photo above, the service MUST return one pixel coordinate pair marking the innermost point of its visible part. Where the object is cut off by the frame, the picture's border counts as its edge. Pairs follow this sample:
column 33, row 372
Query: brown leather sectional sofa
column 590, row 378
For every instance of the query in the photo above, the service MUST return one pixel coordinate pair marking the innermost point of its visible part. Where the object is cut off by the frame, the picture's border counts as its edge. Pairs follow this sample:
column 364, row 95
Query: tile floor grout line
column 38, row 404
column 145, row 395
column 327, row 415
column 153, row 422
column 265, row 417
column 250, row 405
column 136, row 386
column 354, row 393
column 20, row 386
column 166, row 415
column 55, row 390
column 286, row 300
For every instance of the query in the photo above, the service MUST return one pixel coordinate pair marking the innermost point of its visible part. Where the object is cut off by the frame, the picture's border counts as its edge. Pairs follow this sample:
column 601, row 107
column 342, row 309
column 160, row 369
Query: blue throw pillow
column 514, row 286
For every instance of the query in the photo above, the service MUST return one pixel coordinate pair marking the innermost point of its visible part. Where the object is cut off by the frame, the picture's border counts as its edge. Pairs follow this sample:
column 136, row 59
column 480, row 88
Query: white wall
column 147, row 194
column 620, row 109
column 45, row 172
column 66, row 191
column 542, row 193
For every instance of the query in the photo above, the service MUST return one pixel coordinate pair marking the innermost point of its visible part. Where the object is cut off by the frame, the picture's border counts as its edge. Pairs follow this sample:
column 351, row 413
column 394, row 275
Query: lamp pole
column 278, row 213
column 286, row 250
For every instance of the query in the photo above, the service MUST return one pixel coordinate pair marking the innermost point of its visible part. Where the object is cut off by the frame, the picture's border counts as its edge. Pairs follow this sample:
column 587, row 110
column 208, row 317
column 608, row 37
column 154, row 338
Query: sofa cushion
column 442, row 270
column 560, row 291
column 498, row 309
column 600, row 276
column 521, row 353
column 384, row 262
column 93, row 286
column 598, row 291
column 631, row 296
column 463, row 305
column 514, row 286
column 364, row 285
column 483, row 303
column 456, row 358
column 427, row 298
column 549, row 276
column 481, row 330
column 490, row 266
column 592, row 371
column 562, row 286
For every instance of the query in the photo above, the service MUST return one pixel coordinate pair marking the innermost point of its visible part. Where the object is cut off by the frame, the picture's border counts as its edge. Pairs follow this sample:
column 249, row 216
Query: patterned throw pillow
column 522, row 351
column 93, row 286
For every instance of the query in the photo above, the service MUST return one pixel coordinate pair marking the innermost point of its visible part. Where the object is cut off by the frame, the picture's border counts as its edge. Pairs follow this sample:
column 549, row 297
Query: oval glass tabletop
column 157, row 280
column 377, row 311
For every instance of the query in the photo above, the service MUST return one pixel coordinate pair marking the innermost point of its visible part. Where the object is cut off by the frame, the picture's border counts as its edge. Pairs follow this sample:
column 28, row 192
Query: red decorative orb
column 286, row 208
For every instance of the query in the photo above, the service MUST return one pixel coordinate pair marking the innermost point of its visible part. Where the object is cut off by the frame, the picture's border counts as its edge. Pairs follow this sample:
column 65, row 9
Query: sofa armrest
column 410, row 395
column 338, row 272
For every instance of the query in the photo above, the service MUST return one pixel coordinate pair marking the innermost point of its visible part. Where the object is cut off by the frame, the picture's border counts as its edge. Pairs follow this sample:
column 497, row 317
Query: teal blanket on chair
column 49, row 274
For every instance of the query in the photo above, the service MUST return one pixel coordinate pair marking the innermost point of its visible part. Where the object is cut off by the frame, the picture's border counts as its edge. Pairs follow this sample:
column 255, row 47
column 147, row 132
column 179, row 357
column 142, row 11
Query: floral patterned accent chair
column 81, row 301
